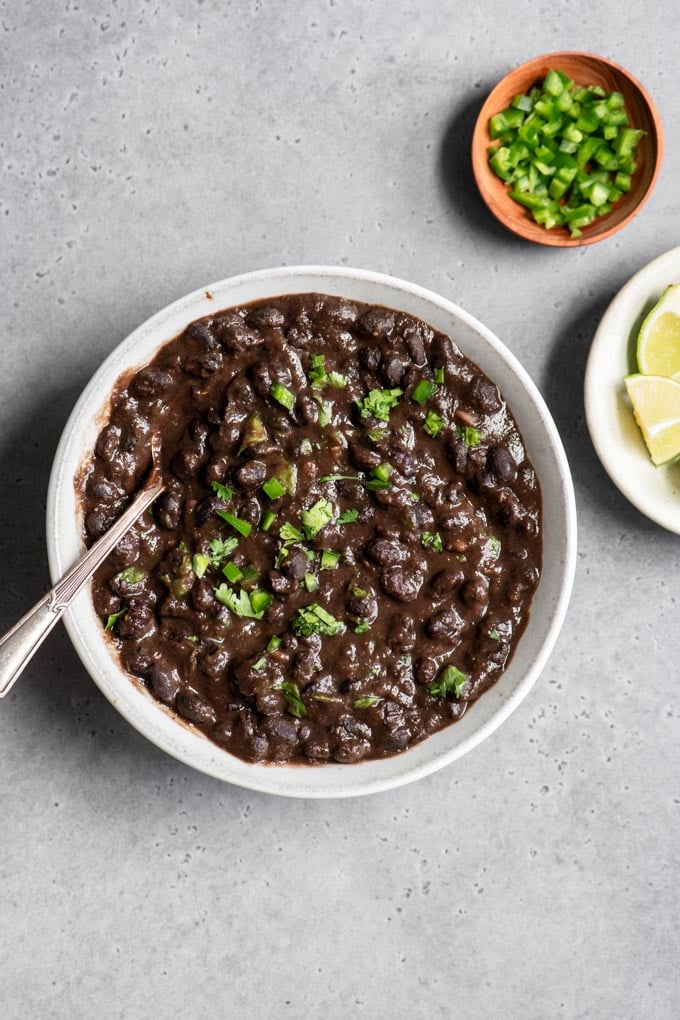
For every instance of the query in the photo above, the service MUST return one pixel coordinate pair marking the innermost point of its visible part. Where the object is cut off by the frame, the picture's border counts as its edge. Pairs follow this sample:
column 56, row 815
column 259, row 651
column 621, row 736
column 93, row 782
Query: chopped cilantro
column 223, row 491
column 495, row 544
column 250, row 605
column 348, row 516
column 433, row 423
column 113, row 618
column 261, row 663
column 433, row 539
column 325, row 411
column 273, row 643
column 319, row 377
column 194, row 639
column 470, row 436
column 379, row 403
column 221, row 549
column 494, row 635
column 305, row 447
column 449, row 681
column 282, row 395
column 131, row 575
column 362, row 627
column 289, row 533
column 294, row 702
column 243, row 527
column 314, row 619
column 317, row 517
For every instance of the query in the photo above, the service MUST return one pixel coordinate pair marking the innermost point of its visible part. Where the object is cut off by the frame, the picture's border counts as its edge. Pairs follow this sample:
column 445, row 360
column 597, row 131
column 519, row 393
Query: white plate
column 655, row 491
column 132, row 700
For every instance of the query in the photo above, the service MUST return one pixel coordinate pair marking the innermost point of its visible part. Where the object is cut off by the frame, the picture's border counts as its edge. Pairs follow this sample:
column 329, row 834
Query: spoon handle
column 20, row 644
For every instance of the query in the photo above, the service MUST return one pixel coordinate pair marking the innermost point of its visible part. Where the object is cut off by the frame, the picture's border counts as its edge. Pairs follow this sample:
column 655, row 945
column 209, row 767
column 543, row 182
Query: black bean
column 420, row 516
column 215, row 662
column 377, row 323
column 282, row 730
column 126, row 551
column 401, row 584
column 216, row 469
column 363, row 456
column 309, row 409
column 457, row 452
column 203, row 365
column 250, row 511
column 445, row 625
column 251, row 474
column 501, row 464
column 485, row 394
column 107, row 443
column 151, row 383
column 100, row 520
column 205, row 510
column 237, row 336
column 195, row 709
column 401, row 738
column 167, row 510
column 362, row 606
column 415, row 347
column 403, row 461
column 199, row 338
column 386, row 553
column 202, row 596
column 126, row 587
column 255, row 748
column 401, row 636
column 185, row 464
column 280, row 585
column 393, row 369
column 425, row 670
column 317, row 748
column 448, row 580
column 393, row 497
column 370, row 358
column 103, row 489
column 165, row 682
column 266, row 317
column 296, row 564
column 475, row 591
column 510, row 509
column 305, row 664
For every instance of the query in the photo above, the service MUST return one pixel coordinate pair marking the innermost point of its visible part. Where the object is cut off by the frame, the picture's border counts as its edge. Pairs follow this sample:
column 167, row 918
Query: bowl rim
column 480, row 165
column 258, row 777
column 610, row 347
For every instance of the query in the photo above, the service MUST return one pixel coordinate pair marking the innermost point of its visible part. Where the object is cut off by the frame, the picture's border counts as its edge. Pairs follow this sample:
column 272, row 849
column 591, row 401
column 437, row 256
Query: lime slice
column 658, row 346
column 656, row 406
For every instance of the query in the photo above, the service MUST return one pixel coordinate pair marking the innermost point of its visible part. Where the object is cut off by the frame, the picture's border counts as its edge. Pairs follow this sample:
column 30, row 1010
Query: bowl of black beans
column 365, row 546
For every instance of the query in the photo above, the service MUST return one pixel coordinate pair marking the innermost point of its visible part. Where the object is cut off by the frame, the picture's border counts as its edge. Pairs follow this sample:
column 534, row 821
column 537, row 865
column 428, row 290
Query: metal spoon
column 19, row 644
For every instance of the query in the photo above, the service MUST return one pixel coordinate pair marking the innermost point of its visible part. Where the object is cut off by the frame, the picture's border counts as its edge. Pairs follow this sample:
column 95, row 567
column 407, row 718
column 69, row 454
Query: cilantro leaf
column 433, row 423
column 314, row 619
column 317, row 517
column 242, row 603
column 470, row 436
column 433, row 539
column 294, row 702
column 113, row 618
column 348, row 516
column 450, row 681
column 223, row 491
column 221, row 549
column 379, row 403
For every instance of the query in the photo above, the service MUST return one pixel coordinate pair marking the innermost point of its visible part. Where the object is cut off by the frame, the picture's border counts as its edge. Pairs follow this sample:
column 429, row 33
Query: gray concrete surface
column 148, row 148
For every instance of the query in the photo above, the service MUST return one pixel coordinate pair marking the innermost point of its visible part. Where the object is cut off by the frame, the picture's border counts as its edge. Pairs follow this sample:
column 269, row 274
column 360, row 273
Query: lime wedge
column 658, row 346
column 656, row 406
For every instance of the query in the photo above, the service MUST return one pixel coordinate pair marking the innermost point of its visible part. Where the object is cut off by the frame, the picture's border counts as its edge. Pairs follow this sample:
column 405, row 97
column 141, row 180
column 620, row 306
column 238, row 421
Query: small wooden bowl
column 585, row 69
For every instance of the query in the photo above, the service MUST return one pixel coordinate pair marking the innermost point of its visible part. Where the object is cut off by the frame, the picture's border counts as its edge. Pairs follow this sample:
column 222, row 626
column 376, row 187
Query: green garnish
column 112, row 619
column 566, row 151
column 250, row 605
column 273, row 488
column 253, row 433
column 282, row 395
column 494, row 635
column 232, row 572
column 330, row 559
column 268, row 518
column 495, row 544
column 131, row 575
column 362, row 627
column 379, row 403
column 194, row 639
column 348, row 516
column 273, row 643
column 289, row 533
column 261, row 663
column 423, row 390
column 366, row 702
column 221, row 549
column 325, row 411
column 200, row 564
column 449, row 681
column 439, row 375
column 470, row 436
column 433, row 423
column 431, row 539
column 294, row 702
column 317, row 517
column 223, row 491
column 319, row 377
column 314, row 619
column 305, row 447
column 311, row 582
column 377, row 435
column 243, row 527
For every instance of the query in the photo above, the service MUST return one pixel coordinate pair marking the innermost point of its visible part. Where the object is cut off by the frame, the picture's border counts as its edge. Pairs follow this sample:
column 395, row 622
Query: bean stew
column 350, row 537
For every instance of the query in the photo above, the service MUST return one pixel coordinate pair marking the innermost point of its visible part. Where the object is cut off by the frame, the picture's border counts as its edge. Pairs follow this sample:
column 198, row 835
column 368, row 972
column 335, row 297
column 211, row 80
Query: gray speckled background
column 148, row 148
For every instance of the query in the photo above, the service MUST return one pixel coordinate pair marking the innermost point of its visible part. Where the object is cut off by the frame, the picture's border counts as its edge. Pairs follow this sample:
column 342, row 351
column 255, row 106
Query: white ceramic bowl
column 655, row 491
column 64, row 524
